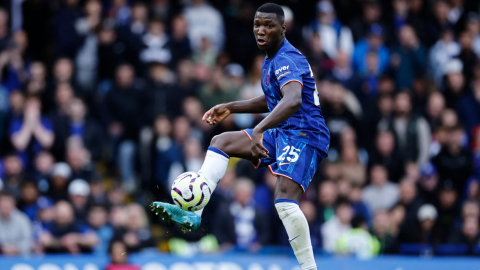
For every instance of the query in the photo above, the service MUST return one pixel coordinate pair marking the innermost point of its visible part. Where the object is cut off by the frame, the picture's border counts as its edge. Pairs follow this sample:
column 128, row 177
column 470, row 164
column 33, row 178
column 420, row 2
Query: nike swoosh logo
column 293, row 238
column 283, row 163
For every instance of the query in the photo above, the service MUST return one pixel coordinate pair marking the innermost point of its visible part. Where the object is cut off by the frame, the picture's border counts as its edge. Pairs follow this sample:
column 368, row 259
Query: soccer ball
column 190, row 191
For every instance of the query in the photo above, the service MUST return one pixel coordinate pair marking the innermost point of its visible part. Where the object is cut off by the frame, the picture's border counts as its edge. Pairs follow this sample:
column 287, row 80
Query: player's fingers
column 208, row 114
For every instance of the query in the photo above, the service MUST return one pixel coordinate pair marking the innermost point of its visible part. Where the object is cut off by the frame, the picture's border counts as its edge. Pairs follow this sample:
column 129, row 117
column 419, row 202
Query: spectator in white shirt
column 380, row 194
column 336, row 226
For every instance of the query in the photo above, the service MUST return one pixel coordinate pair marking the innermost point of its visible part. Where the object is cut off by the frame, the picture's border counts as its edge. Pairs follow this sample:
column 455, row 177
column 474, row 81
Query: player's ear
column 284, row 28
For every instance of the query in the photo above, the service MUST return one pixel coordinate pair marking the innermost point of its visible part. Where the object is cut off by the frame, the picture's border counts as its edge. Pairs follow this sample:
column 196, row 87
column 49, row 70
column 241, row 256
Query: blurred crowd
column 101, row 104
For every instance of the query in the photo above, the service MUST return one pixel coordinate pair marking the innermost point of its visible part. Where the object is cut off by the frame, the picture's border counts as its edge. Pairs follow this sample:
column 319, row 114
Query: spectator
column 381, row 193
column 15, row 228
column 386, row 155
column 60, row 176
column 136, row 234
column 333, row 34
column 65, row 234
column 469, row 234
column 217, row 90
column 435, row 108
column 158, row 47
column 120, row 114
column 242, row 224
column 454, row 162
column 428, row 183
column 412, row 132
column 86, row 56
column 308, row 209
column 97, row 220
column 371, row 15
column 427, row 232
column 78, row 193
column 408, row 59
column 411, row 202
column 336, row 226
column 374, row 42
column 445, row 49
column 382, row 230
column 327, row 196
column 29, row 195
column 119, row 257
column 440, row 21
column 204, row 21
column 455, row 82
column 344, row 73
column 358, row 241
column 80, row 125
column 33, row 132
column 13, row 175
column 44, row 162
column 473, row 26
column 447, row 209
column 468, row 107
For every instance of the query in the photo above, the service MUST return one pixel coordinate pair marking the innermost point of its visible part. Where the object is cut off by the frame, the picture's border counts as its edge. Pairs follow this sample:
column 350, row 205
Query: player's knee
column 219, row 141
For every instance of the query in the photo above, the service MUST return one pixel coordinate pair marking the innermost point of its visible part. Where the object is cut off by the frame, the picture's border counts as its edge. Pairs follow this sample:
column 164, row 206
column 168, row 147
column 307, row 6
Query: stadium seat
column 451, row 249
column 416, row 249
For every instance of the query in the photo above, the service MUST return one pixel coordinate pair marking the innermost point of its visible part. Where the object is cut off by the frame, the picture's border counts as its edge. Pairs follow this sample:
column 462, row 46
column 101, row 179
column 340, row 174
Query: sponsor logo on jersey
column 281, row 69
column 283, row 74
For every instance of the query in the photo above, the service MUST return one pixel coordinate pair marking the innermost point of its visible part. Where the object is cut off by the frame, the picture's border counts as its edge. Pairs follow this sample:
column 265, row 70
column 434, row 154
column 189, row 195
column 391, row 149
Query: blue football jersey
column 307, row 124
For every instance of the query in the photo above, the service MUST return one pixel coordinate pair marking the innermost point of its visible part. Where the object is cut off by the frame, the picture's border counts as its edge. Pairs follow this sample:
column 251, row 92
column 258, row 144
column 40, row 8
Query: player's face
column 267, row 30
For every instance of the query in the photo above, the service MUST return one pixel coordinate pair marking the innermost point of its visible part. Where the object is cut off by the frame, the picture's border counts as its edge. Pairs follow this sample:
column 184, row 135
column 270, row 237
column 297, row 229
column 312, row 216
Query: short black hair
column 358, row 221
column 273, row 8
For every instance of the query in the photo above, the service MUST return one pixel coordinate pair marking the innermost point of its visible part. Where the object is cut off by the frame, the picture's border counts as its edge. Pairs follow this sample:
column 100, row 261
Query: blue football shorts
column 293, row 159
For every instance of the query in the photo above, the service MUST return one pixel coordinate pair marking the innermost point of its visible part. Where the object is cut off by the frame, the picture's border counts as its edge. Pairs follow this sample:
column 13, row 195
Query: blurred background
column 101, row 104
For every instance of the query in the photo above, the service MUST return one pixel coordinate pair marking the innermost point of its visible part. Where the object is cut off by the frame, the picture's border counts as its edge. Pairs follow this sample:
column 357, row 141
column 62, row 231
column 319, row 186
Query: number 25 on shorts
column 290, row 153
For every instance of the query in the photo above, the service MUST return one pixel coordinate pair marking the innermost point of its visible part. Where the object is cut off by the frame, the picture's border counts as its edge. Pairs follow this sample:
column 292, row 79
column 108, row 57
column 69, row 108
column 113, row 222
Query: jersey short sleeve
column 287, row 70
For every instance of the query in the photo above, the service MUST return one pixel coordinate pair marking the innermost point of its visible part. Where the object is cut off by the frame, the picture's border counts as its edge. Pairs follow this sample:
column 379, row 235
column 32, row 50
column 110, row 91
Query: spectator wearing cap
column 15, row 228
column 78, row 193
column 455, row 83
column 380, row 193
column 60, row 176
column 65, row 234
column 333, row 35
column 373, row 42
column 428, row 183
column 408, row 59
column 427, row 231
column 454, row 162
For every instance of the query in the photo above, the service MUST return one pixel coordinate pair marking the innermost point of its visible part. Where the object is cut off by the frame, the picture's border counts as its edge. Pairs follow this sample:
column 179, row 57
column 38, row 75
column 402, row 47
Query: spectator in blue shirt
column 32, row 133
column 373, row 42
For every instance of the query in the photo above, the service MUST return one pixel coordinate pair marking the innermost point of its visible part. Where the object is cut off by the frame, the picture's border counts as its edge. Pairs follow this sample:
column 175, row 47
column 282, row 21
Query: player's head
column 269, row 26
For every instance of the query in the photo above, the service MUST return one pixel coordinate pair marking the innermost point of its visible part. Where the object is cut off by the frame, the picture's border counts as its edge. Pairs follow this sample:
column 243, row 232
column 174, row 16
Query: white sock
column 298, row 232
column 213, row 168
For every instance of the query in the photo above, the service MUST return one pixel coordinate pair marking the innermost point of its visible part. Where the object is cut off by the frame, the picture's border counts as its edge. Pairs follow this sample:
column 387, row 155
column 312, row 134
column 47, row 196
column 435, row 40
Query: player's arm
column 221, row 111
column 289, row 105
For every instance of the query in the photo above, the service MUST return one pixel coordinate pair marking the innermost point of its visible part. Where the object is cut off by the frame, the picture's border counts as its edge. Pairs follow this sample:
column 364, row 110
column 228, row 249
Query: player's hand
column 258, row 150
column 216, row 114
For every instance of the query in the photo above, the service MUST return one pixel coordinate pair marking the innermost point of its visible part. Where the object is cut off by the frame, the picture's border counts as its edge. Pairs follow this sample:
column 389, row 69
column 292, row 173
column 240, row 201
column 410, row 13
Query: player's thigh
column 234, row 144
